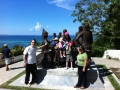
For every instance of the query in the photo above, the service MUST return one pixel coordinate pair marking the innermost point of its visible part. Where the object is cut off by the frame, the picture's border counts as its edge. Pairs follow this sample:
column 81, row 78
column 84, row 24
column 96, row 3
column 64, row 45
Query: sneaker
column 64, row 56
column 7, row 69
column 61, row 56
column 72, row 68
column 66, row 68
column 28, row 85
column 33, row 84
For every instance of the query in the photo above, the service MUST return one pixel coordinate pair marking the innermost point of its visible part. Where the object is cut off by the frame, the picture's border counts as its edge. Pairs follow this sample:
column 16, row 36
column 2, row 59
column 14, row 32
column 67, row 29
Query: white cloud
column 37, row 27
column 31, row 29
column 67, row 4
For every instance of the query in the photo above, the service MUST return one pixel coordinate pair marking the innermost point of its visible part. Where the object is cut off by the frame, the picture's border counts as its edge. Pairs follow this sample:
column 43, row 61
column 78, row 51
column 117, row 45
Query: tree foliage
column 92, row 11
column 110, row 33
column 104, row 17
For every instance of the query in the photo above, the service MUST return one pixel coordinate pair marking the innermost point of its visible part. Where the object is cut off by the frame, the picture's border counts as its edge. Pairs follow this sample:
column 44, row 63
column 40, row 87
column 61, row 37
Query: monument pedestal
column 62, row 79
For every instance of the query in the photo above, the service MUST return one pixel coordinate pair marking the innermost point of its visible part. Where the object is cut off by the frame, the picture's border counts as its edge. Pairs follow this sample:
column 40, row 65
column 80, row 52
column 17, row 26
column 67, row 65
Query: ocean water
column 21, row 40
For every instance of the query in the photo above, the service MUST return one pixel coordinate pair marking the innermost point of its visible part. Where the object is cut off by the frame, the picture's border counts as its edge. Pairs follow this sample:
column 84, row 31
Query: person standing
column 82, row 60
column 29, row 59
column 69, row 57
column 6, row 55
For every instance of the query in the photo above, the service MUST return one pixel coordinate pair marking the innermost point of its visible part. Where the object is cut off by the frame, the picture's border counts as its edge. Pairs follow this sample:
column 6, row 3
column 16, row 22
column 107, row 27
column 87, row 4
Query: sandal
column 76, row 87
column 82, row 87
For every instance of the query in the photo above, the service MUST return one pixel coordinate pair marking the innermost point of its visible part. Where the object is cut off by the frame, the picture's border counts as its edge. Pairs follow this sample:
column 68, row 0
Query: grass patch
column 110, row 77
column 7, row 86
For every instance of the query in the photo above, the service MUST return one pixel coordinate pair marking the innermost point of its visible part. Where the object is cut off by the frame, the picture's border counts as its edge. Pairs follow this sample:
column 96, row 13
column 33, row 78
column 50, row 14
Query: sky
column 29, row 17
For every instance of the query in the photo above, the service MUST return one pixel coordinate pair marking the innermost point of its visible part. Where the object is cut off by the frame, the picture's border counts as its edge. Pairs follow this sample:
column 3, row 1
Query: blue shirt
column 6, row 52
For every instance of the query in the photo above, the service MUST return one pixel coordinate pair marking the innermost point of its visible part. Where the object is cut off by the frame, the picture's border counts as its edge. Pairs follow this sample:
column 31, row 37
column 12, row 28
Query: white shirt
column 31, row 54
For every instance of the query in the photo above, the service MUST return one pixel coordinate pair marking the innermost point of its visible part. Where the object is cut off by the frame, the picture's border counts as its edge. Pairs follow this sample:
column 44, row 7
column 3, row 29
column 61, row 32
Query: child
column 69, row 55
column 62, row 47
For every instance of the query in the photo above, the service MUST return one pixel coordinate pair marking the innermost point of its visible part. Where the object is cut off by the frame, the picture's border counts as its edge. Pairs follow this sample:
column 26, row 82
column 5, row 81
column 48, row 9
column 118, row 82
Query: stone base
column 62, row 79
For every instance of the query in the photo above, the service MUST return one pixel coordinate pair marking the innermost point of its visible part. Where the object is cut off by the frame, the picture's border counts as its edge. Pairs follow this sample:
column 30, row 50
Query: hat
column 66, row 33
column 56, row 39
column 5, row 44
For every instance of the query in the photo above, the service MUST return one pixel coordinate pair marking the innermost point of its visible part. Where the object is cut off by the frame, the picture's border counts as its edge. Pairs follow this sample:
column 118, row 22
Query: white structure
column 113, row 54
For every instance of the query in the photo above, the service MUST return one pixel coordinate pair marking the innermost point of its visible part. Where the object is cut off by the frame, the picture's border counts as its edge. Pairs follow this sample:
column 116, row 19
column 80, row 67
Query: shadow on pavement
column 103, row 72
column 16, row 68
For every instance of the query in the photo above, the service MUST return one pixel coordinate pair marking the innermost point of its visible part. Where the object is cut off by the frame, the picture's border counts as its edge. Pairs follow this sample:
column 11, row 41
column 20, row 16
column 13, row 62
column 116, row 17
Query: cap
column 66, row 33
column 5, row 44
column 56, row 39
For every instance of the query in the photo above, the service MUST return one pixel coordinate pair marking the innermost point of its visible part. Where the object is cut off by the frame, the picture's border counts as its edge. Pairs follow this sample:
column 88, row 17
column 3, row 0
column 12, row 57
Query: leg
column 27, row 73
column 71, row 64
column 34, row 73
column 64, row 52
column 84, row 78
column 66, row 65
column 61, row 53
column 7, row 61
column 79, row 76
column 7, row 68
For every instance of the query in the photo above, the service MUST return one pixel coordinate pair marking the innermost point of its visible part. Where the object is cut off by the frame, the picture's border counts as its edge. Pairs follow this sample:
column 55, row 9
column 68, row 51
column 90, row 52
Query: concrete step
column 62, row 79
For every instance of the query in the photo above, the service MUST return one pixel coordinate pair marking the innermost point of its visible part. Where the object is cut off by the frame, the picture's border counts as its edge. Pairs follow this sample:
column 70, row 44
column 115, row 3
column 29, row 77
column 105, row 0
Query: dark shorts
column 69, row 58
column 62, row 49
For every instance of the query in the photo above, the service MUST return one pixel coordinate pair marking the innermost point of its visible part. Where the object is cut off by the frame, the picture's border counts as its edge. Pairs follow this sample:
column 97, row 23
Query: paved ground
column 17, row 68
column 108, row 62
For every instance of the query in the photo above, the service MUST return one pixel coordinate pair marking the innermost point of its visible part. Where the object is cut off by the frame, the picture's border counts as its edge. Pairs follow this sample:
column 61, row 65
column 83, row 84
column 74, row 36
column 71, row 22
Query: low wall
column 112, row 54
column 12, row 60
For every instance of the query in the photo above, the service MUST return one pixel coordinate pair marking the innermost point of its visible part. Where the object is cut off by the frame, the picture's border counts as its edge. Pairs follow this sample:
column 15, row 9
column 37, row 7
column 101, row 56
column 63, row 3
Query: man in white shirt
column 29, row 58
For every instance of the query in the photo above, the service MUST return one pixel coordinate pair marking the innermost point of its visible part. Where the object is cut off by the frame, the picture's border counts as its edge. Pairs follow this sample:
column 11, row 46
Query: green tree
column 110, row 33
column 92, row 11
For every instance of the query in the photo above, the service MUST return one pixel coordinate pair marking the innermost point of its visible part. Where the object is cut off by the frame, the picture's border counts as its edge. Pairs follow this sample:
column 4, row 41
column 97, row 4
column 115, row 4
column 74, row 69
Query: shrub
column 17, row 50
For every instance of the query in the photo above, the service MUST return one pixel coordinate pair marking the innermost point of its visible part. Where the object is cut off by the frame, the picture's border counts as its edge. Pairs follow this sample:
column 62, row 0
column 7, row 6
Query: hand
column 83, row 69
column 24, row 64
column 46, row 43
column 76, row 62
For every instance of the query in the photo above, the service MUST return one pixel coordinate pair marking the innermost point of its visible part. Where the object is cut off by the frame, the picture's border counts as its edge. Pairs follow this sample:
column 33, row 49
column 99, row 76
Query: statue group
column 50, row 57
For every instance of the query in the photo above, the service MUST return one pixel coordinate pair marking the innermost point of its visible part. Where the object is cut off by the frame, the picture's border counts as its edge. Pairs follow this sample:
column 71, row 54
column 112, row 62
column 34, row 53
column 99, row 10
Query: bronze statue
column 44, row 59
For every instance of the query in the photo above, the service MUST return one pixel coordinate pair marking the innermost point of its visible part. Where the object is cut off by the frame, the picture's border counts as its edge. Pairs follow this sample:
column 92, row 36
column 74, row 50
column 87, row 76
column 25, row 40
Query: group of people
column 64, row 45
column 82, row 41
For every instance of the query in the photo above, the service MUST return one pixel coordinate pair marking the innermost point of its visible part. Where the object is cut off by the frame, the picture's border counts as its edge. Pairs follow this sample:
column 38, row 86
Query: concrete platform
column 62, row 79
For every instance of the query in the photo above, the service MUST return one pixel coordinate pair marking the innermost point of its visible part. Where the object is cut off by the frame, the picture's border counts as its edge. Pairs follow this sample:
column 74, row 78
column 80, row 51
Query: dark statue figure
column 84, row 38
column 44, row 59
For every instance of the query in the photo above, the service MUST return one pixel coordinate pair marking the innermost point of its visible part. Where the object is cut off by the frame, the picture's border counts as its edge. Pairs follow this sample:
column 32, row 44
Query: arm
column 24, row 59
column 79, row 35
column 85, row 64
column 43, row 45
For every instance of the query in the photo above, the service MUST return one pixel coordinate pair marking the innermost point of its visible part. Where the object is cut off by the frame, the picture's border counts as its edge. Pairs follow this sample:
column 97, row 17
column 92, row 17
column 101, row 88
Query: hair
column 64, row 30
column 80, row 28
column 34, row 40
column 86, row 26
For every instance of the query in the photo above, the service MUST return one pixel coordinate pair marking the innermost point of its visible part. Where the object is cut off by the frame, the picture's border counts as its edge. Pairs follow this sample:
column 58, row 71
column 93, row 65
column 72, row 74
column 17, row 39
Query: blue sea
column 22, row 40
